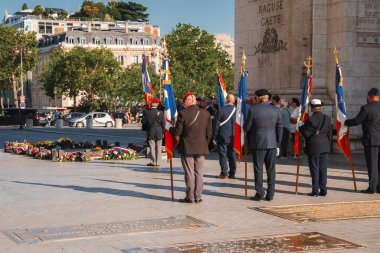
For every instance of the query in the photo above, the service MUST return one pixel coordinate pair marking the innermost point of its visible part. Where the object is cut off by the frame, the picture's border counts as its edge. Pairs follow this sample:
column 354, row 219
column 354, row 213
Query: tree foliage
column 38, row 10
column 10, row 59
column 118, row 10
column 94, row 73
column 24, row 6
column 194, row 58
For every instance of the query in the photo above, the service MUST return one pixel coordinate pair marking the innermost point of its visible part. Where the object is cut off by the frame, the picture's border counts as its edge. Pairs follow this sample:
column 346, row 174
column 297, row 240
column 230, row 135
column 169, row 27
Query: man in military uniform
column 317, row 132
column 369, row 117
column 224, row 132
column 194, row 131
column 154, row 124
column 265, row 132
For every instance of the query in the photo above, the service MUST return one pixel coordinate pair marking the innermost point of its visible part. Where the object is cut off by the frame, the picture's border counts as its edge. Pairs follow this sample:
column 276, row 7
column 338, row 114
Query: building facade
column 227, row 43
column 127, row 40
column 279, row 35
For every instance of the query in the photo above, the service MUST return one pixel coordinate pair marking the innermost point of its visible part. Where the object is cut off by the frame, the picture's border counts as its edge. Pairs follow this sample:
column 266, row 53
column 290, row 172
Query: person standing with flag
column 224, row 133
column 317, row 132
column 193, row 130
column 369, row 117
column 264, row 125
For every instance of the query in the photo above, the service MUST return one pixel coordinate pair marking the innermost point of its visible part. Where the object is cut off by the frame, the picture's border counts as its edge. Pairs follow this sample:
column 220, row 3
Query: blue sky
column 215, row 16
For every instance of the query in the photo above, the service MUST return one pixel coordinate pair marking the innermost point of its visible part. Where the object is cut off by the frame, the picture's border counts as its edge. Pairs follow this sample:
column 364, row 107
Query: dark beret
column 261, row 92
column 373, row 92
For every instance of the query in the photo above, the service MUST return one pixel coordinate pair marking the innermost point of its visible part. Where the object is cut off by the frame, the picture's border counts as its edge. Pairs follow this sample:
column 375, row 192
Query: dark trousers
column 285, row 141
column 318, row 171
column 372, row 158
column 193, row 167
column 267, row 156
column 226, row 153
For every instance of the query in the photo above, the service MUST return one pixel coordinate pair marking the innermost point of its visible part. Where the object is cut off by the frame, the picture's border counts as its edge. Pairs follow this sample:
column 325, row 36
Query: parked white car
column 98, row 119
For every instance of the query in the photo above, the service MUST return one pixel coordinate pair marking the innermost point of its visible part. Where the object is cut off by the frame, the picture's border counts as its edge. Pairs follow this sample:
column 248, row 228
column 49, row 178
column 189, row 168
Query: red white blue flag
column 303, row 112
column 147, row 84
column 170, row 109
column 221, row 90
column 241, row 112
column 341, row 115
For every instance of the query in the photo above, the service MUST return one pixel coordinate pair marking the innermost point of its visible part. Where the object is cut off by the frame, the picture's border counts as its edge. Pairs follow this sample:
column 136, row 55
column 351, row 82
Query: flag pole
column 171, row 178
column 246, row 164
column 336, row 54
column 308, row 65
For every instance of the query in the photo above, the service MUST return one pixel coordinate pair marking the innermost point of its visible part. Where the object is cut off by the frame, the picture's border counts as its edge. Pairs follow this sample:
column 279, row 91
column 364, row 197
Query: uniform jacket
column 321, row 142
column 194, row 139
column 225, row 133
column 263, row 126
column 369, row 117
column 154, row 122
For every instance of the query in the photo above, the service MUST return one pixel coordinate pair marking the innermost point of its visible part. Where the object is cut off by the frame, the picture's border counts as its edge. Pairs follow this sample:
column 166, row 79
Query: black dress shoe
column 313, row 194
column 150, row 164
column 322, row 193
column 198, row 201
column 368, row 191
column 186, row 200
column 221, row 177
column 256, row 198
column 268, row 198
column 232, row 177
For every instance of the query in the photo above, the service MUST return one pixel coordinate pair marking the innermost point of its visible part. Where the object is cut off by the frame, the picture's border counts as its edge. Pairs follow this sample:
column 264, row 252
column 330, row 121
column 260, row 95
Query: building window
column 119, row 41
column 120, row 59
column 96, row 41
column 135, row 59
column 108, row 40
column 41, row 28
column 70, row 40
column 146, row 41
column 82, row 40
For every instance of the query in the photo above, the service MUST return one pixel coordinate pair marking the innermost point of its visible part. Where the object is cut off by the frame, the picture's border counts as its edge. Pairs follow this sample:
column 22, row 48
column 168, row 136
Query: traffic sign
column 22, row 105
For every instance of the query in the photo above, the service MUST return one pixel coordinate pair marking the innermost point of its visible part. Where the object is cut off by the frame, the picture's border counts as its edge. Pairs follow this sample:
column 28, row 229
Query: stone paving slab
column 38, row 194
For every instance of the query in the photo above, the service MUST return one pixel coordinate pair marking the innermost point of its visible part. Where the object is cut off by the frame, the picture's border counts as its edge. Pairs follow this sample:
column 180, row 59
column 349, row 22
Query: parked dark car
column 15, row 116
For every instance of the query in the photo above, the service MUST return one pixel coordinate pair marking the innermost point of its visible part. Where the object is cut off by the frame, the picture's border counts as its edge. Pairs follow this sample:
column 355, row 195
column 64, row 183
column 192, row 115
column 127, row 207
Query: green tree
column 194, row 58
column 131, row 11
column 12, row 43
column 24, row 6
column 38, row 10
column 94, row 73
column 131, row 89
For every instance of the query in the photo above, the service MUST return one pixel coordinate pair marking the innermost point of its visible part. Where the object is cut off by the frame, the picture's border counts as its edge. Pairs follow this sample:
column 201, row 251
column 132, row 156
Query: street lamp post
column 20, row 51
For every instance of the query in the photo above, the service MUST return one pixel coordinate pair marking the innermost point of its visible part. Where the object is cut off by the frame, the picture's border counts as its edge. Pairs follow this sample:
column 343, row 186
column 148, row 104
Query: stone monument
column 278, row 36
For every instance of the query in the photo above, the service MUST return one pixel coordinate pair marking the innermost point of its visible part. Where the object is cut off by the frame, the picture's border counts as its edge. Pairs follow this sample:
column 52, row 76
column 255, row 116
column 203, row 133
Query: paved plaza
column 43, row 194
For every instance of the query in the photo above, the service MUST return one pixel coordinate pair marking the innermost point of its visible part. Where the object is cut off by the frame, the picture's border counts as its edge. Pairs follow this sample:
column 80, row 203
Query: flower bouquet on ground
column 118, row 153
column 73, row 157
column 43, row 154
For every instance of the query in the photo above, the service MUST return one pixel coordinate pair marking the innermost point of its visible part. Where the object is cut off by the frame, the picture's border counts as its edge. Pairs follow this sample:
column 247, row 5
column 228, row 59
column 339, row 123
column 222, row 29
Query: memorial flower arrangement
column 43, row 154
column 118, row 153
column 73, row 157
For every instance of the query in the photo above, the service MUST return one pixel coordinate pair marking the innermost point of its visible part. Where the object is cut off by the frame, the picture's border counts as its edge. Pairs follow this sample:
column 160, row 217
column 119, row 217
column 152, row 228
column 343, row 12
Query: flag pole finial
column 336, row 54
column 308, row 64
column 165, row 52
column 243, row 59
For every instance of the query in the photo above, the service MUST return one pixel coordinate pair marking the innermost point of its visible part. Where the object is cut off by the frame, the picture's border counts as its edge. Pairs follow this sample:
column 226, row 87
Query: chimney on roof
column 89, row 28
column 126, row 26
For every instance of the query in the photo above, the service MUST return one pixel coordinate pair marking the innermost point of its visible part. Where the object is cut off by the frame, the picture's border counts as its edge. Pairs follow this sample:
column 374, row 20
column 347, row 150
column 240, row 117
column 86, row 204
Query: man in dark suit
column 369, row 117
column 265, row 132
column 317, row 132
column 154, row 123
column 224, row 133
column 194, row 130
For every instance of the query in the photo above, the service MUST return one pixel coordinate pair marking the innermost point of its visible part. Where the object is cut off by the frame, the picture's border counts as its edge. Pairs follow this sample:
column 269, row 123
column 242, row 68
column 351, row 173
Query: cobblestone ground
column 43, row 194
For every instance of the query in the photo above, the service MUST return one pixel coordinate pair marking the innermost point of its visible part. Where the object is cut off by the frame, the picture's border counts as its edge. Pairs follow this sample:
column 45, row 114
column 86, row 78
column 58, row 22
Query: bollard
column 89, row 123
column 118, row 123
column 117, row 143
column 105, row 144
column 29, row 123
column 59, row 124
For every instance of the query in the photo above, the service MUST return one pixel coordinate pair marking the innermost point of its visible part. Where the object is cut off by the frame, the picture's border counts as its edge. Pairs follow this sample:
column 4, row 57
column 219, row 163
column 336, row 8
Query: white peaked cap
column 316, row 102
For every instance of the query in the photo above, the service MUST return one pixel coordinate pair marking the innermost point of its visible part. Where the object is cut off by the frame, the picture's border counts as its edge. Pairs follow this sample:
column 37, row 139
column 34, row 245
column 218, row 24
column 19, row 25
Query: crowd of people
column 270, row 125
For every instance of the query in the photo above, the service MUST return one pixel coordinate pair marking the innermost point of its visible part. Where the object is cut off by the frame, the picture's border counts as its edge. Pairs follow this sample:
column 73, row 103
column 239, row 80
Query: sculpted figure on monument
column 271, row 43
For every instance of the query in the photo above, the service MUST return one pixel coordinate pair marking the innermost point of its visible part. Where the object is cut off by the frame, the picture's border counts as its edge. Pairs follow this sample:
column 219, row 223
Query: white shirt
column 294, row 115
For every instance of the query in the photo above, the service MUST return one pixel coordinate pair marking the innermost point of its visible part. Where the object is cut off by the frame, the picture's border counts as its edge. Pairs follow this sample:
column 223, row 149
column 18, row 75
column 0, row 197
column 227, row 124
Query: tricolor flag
column 221, row 90
column 147, row 84
column 341, row 115
column 170, row 109
column 303, row 112
column 241, row 112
